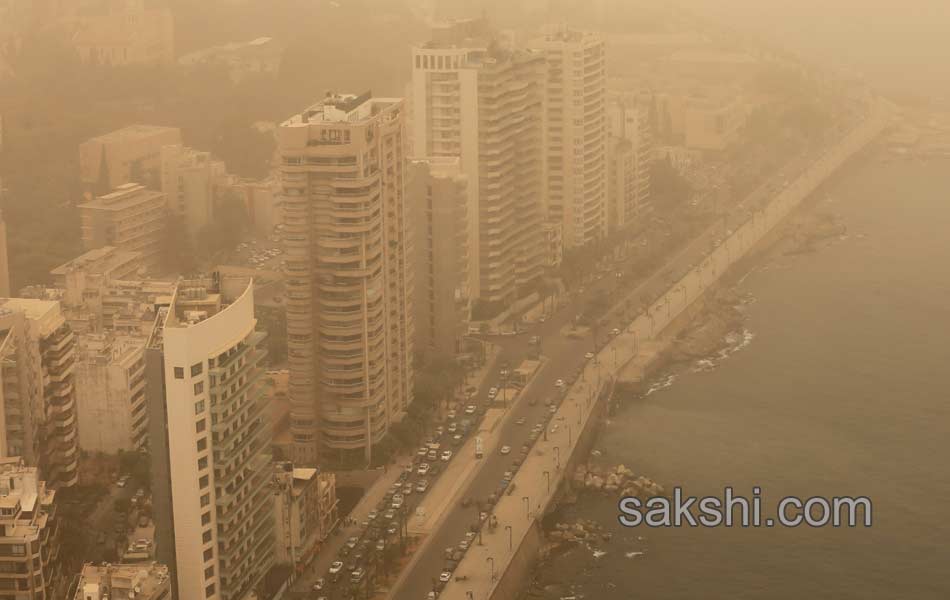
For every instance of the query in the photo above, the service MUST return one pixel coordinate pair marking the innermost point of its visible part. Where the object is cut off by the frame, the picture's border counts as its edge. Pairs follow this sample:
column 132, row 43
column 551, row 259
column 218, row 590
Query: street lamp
column 547, row 475
column 557, row 457
column 491, row 561
column 570, row 436
column 527, row 506
column 509, row 529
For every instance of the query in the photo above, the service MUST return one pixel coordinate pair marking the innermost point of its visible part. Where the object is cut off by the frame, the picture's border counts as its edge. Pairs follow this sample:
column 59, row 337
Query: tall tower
column 483, row 102
column 347, row 252
column 576, row 133
column 209, row 439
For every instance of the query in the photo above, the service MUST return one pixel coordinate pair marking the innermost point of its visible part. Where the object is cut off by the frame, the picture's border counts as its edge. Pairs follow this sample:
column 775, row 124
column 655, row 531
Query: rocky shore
column 807, row 231
column 708, row 331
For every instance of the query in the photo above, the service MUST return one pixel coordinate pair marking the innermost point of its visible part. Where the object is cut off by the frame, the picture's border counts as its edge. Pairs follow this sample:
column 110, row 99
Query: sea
column 838, row 386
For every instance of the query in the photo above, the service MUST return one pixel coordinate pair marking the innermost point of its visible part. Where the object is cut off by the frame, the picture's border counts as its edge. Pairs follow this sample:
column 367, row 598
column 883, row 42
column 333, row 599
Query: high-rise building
column 37, row 363
column 4, row 258
column 631, row 159
column 131, row 218
column 132, row 154
column 209, row 439
column 439, row 197
column 188, row 182
column 576, row 132
column 126, row 32
column 475, row 98
column 110, row 392
column 29, row 533
column 136, row 581
column 348, row 281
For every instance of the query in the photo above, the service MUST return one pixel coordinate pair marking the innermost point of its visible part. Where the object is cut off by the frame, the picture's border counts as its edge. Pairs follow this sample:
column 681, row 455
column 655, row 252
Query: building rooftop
column 132, row 132
column 32, row 308
column 342, row 108
column 122, row 582
column 125, row 196
column 99, row 260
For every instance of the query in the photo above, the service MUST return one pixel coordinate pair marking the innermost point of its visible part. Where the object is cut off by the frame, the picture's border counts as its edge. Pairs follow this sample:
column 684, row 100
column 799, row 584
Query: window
column 203, row 483
column 196, row 369
column 179, row 372
column 209, row 591
column 206, row 536
column 202, row 463
column 199, row 387
column 199, row 407
column 206, row 500
column 202, row 444
column 209, row 554
column 209, row 572
column 205, row 519
column 200, row 426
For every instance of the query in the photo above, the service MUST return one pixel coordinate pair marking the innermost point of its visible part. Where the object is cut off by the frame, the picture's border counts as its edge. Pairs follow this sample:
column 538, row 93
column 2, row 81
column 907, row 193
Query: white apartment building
column 475, row 98
column 209, row 438
column 576, row 132
column 347, row 288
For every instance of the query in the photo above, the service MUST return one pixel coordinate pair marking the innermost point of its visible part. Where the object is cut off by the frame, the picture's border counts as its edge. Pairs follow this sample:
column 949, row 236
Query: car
column 505, row 450
column 453, row 427
column 318, row 585
column 393, row 528
column 432, row 455
column 372, row 515
column 439, row 431
column 559, row 383
column 351, row 543
column 470, row 536
column 463, row 545
column 508, row 476
column 389, row 515
column 450, row 415
column 521, row 421
column 422, row 452
column 554, row 428
column 407, row 489
column 122, row 482
column 423, row 469
column 446, row 455
column 335, row 567
column 380, row 545
column 553, row 409
column 589, row 355
column 535, row 340
column 431, row 596
column 457, row 439
column 422, row 486
column 445, row 576
column 357, row 575
column 470, row 409
column 614, row 331
column 398, row 501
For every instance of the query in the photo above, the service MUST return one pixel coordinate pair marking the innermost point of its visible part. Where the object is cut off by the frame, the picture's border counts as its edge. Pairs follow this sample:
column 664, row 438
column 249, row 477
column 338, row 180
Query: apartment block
column 209, row 438
column 576, row 132
column 30, row 566
column 131, row 218
column 438, row 193
column 475, row 98
column 123, row 582
column 132, row 154
column 348, row 281
column 189, row 178
column 110, row 393
column 37, row 368
column 125, row 32
column 631, row 156
column 305, row 512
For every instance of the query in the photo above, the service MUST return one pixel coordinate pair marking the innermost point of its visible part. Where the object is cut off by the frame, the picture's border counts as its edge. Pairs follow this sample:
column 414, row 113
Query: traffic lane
column 567, row 360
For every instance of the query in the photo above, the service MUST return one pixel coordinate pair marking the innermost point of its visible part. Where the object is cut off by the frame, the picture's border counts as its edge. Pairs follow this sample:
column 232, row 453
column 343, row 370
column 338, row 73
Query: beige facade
column 348, row 281
column 439, row 197
column 139, row 581
column 132, row 154
column 110, row 393
column 29, row 534
column 476, row 99
column 125, row 32
column 188, row 180
column 305, row 512
column 131, row 218
column 37, row 368
column 576, row 132
column 209, row 439
column 632, row 154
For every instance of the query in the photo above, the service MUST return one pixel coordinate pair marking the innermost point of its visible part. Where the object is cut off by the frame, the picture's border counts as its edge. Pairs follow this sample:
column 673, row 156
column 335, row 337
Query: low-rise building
column 260, row 56
column 305, row 512
column 124, row 582
column 131, row 218
column 29, row 536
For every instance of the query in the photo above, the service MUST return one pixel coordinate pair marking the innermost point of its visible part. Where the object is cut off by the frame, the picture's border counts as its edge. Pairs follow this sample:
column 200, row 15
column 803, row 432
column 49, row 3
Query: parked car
column 470, row 409
column 423, row 469
column 357, row 575
column 589, row 355
column 559, row 383
column 335, row 567
column 505, row 450
column 422, row 486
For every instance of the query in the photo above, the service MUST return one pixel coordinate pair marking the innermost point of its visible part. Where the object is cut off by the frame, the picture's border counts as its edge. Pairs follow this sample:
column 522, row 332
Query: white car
column 336, row 567
column 422, row 486
column 492, row 392
column 423, row 469
column 470, row 409
column 505, row 450
column 446, row 455
column 589, row 355
column 445, row 576
column 559, row 383
column 614, row 331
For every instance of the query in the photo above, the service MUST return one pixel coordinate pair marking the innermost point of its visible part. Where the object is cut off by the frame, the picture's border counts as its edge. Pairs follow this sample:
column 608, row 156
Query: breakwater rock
column 615, row 480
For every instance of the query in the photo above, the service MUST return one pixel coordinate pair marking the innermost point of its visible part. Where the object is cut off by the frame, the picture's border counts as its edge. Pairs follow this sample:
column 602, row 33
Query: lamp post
column 527, row 506
column 547, row 475
column 509, row 529
column 491, row 562
column 557, row 457
column 570, row 436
